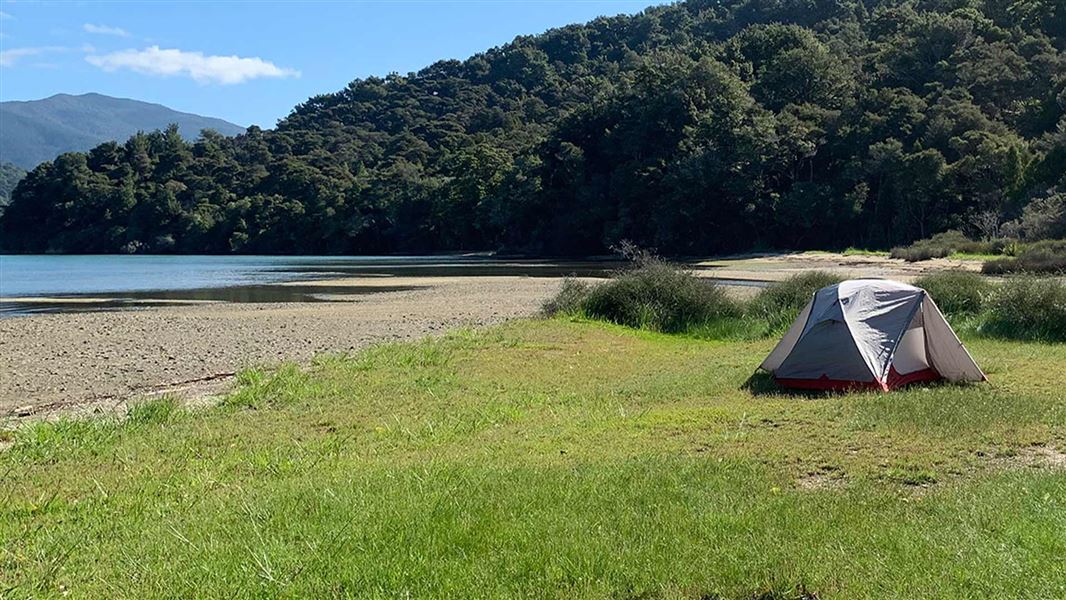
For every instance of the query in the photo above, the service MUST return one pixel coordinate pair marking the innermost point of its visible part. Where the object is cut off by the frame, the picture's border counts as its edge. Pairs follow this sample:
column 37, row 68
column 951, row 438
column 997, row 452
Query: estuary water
column 144, row 280
column 51, row 283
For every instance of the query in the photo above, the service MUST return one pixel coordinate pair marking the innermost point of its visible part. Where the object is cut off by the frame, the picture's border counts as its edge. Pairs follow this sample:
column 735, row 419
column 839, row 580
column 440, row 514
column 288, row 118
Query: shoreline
column 85, row 362
column 93, row 361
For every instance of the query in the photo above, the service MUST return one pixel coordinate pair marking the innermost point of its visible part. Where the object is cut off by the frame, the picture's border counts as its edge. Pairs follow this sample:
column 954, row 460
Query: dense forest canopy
column 700, row 127
column 10, row 175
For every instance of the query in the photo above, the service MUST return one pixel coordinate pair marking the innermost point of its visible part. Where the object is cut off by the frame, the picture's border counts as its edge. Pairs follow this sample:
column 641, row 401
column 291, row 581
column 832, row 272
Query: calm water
column 51, row 275
column 145, row 280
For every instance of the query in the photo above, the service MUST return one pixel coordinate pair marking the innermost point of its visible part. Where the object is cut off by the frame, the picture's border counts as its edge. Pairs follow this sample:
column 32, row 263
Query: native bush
column 652, row 294
column 947, row 243
column 568, row 300
column 659, row 296
column 956, row 292
column 1048, row 256
column 1027, row 308
column 779, row 303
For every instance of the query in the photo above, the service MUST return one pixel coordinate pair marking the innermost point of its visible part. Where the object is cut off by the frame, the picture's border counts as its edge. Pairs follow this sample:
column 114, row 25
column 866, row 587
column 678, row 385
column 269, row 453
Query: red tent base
column 895, row 380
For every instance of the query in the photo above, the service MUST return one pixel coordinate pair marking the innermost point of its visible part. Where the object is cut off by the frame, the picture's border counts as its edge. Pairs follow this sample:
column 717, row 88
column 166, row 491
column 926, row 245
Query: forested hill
column 700, row 127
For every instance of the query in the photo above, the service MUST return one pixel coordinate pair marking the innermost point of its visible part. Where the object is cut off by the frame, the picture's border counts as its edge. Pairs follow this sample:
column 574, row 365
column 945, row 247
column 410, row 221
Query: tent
column 872, row 334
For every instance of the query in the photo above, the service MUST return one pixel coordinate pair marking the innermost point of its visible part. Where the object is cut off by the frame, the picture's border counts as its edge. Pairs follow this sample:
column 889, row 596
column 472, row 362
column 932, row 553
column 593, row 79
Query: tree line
column 700, row 127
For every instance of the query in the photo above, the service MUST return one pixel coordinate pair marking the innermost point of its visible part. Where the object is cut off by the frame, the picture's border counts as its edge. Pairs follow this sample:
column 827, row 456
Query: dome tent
column 873, row 334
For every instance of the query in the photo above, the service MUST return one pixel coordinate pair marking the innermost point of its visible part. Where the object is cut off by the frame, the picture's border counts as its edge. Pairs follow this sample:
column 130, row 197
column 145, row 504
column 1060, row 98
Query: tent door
column 910, row 353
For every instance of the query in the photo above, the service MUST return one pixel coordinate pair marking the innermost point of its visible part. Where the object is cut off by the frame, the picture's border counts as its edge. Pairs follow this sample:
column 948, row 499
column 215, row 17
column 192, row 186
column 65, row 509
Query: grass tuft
column 152, row 412
column 659, row 296
column 654, row 294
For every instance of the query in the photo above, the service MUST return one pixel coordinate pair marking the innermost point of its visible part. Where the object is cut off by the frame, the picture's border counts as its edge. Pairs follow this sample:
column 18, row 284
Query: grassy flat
column 552, row 459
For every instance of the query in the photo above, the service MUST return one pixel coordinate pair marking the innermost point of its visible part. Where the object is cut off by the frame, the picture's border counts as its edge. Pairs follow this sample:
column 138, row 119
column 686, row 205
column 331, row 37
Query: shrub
column 779, row 303
column 568, row 300
column 956, row 292
column 938, row 246
column 945, row 244
column 1048, row 256
column 1027, row 308
column 659, row 296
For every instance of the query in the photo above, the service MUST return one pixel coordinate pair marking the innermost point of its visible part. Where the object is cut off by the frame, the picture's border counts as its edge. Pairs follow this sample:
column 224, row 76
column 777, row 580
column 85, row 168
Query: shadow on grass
column 761, row 383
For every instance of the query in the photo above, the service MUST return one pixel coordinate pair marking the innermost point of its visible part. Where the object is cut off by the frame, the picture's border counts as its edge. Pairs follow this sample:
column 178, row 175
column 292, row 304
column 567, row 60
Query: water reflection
column 34, row 284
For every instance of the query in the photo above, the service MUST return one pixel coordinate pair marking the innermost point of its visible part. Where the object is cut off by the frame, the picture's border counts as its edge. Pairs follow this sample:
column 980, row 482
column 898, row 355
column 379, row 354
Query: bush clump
column 659, row 296
column 1027, row 308
column 568, row 300
column 779, row 303
column 654, row 294
column 947, row 243
column 1048, row 256
column 957, row 292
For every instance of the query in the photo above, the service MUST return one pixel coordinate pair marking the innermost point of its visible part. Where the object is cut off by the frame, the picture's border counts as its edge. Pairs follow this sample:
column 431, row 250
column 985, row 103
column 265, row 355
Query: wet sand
column 86, row 362
column 93, row 361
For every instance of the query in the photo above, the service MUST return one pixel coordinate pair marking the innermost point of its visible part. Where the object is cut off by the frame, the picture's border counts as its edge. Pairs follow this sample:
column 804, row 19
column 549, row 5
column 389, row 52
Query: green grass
column 550, row 459
column 851, row 251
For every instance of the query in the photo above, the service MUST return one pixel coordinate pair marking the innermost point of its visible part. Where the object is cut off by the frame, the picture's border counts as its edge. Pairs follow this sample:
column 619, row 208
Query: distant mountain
column 40, row 130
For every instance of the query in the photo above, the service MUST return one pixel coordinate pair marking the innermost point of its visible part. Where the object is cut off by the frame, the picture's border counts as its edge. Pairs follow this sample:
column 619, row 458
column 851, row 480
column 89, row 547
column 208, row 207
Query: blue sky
column 251, row 62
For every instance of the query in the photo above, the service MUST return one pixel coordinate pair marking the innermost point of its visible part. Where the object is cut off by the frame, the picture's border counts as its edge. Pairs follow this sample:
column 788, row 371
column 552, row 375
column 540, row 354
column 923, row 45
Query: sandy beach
column 95, row 361
column 88, row 362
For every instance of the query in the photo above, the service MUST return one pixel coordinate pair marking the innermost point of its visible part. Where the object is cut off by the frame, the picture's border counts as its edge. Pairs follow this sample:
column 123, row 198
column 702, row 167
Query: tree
column 699, row 127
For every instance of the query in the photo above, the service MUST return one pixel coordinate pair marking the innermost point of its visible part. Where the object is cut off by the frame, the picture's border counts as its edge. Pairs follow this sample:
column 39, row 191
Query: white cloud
column 5, row 16
column 8, row 58
column 105, row 30
column 202, row 69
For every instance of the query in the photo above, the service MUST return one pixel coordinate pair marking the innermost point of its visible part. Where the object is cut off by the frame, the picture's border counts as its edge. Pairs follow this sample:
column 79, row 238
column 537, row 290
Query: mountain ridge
column 39, row 130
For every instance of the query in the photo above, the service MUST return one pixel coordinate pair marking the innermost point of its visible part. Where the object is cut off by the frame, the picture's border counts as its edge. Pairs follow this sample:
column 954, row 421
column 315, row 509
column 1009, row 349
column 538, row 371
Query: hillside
column 40, row 130
column 10, row 175
column 701, row 127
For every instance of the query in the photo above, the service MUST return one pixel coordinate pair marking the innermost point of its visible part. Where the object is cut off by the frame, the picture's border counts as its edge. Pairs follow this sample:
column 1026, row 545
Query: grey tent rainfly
column 872, row 334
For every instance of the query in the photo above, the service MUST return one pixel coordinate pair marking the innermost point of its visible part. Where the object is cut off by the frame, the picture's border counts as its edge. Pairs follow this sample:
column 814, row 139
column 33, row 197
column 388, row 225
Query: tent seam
column 803, row 330
column 854, row 342
column 899, row 340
